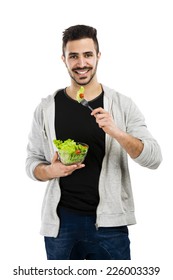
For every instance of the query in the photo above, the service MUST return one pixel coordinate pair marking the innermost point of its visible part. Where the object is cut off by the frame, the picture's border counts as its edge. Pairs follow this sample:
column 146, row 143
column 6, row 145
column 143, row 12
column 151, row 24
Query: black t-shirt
column 79, row 191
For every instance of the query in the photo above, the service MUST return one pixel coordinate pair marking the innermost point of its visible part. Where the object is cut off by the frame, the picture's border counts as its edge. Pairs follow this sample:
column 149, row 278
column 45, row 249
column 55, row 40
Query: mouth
column 82, row 72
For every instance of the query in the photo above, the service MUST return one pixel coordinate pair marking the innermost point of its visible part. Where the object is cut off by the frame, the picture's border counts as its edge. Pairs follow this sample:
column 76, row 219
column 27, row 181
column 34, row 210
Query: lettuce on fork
column 71, row 152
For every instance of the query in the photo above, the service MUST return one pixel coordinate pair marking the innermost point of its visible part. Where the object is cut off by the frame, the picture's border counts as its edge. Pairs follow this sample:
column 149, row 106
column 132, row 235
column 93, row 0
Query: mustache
column 81, row 69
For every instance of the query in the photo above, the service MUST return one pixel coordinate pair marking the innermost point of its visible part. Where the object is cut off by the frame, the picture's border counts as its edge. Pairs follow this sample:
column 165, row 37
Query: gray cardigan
column 116, row 206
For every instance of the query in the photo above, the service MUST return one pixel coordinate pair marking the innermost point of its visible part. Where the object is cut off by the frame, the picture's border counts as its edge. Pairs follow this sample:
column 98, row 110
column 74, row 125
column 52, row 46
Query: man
column 87, row 207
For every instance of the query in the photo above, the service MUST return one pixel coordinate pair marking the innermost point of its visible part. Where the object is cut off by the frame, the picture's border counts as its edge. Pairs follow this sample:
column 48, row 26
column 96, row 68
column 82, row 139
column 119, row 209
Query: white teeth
column 82, row 72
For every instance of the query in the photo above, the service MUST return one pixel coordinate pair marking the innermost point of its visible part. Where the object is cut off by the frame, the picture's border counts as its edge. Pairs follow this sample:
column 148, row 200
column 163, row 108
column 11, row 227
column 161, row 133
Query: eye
column 73, row 56
column 89, row 54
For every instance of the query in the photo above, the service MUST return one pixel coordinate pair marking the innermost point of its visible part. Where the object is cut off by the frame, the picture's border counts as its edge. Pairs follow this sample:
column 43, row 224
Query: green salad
column 71, row 152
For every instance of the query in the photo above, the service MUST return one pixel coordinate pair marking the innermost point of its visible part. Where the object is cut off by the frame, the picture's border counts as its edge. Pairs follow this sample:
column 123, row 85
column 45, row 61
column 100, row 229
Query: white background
column 137, row 60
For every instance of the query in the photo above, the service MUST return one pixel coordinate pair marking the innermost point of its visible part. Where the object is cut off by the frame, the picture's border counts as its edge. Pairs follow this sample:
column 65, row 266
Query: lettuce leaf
column 70, row 151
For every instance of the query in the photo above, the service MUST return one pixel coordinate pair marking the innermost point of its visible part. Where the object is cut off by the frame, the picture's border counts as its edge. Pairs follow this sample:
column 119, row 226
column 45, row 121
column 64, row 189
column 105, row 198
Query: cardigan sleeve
column 151, row 156
column 35, row 147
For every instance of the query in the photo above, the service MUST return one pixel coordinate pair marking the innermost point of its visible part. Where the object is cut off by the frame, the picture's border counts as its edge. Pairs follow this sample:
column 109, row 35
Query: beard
column 83, row 83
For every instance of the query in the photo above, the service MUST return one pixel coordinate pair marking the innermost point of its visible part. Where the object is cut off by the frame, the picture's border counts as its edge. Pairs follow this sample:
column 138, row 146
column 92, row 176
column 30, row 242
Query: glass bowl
column 73, row 156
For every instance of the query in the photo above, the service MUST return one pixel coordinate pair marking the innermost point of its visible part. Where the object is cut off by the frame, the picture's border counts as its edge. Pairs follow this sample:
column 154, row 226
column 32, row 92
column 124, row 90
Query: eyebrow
column 75, row 53
column 72, row 53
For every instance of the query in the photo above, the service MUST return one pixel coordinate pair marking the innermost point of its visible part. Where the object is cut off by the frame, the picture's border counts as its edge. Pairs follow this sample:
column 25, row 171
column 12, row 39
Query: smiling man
column 88, row 207
column 81, row 65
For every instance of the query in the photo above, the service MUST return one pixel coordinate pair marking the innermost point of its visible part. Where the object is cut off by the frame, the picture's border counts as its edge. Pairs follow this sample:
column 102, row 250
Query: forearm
column 56, row 169
column 130, row 144
column 42, row 172
column 133, row 146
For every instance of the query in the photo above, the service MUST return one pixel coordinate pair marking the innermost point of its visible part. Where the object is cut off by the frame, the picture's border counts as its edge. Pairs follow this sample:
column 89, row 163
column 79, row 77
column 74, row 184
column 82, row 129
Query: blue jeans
column 79, row 239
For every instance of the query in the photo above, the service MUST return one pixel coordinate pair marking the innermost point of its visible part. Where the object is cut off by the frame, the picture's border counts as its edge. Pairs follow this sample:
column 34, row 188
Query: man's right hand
column 56, row 169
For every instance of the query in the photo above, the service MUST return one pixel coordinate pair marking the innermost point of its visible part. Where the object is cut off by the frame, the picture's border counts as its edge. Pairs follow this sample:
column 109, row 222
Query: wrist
column 48, row 172
column 43, row 172
column 118, row 134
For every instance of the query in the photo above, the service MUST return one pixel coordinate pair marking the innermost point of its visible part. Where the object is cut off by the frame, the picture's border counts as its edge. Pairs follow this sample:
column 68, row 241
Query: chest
column 72, row 120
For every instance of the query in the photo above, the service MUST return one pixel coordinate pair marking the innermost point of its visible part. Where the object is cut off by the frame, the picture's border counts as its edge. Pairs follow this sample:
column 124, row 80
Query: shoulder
column 116, row 98
column 47, row 101
column 45, row 104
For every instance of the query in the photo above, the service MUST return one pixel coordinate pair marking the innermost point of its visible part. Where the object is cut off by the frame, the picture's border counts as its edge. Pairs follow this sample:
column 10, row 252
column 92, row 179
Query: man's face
column 81, row 60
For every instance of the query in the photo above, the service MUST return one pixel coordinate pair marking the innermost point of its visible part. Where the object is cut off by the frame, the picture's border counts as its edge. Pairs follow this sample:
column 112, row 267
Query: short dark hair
column 78, row 32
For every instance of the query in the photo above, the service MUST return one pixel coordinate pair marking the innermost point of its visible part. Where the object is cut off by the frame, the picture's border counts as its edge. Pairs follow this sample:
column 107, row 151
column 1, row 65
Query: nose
column 81, row 62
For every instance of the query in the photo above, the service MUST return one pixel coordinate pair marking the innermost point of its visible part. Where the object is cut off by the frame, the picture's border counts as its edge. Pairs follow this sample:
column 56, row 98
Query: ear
column 99, row 55
column 63, row 58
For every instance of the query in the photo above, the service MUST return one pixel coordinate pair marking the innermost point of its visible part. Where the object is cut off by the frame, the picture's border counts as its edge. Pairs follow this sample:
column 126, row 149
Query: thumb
column 55, row 157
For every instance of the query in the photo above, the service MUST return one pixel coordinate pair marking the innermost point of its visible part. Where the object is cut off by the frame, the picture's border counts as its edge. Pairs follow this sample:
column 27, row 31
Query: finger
column 102, row 116
column 70, row 169
column 66, row 173
column 55, row 157
column 97, row 111
column 80, row 166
